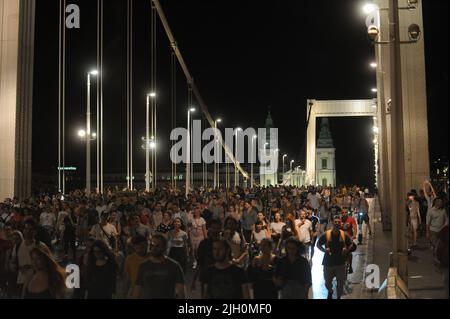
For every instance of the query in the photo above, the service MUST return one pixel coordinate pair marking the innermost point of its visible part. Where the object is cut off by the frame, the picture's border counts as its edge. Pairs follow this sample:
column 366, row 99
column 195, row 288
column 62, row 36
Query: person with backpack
column 105, row 232
column 335, row 243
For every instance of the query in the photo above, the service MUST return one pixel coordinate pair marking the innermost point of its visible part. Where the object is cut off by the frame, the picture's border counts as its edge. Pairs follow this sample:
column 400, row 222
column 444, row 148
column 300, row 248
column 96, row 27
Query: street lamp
column 373, row 65
column 216, row 161
column 374, row 90
column 81, row 133
column 284, row 156
column 369, row 8
column 292, row 162
column 88, row 132
column 148, row 144
column 236, row 174
column 252, row 160
column 188, row 159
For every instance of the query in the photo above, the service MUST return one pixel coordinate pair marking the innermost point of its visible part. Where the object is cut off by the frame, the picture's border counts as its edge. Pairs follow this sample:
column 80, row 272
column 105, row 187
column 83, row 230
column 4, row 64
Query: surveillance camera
column 414, row 32
column 373, row 33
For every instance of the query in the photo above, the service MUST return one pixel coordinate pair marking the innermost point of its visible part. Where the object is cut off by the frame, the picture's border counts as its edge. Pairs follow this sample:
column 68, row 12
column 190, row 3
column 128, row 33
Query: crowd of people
column 242, row 243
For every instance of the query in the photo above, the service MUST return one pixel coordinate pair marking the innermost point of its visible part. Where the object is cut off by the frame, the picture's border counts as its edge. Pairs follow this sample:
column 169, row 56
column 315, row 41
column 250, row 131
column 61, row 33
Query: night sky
column 244, row 56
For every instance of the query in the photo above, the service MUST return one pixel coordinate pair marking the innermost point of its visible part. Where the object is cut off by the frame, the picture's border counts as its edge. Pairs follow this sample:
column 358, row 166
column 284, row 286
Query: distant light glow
column 375, row 129
column 152, row 94
column 94, row 72
column 374, row 90
column 369, row 8
column 81, row 133
column 192, row 109
column 374, row 65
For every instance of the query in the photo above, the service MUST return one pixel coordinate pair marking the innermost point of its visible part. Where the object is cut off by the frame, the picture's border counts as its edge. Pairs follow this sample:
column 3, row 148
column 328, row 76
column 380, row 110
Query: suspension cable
column 131, row 95
column 192, row 85
column 101, row 98
column 128, row 94
column 59, row 91
column 98, row 93
column 64, row 101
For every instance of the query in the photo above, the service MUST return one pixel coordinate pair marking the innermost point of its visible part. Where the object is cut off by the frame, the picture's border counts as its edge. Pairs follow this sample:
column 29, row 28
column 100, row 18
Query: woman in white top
column 414, row 217
column 197, row 230
column 179, row 244
column 239, row 248
column 276, row 228
column 260, row 232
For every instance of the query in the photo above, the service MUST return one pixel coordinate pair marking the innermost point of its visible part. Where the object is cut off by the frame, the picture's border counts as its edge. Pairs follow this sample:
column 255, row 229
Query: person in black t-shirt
column 260, row 272
column 159, row 277
column 224, row 280
column 293, row 272
column 315, row 230
column 336, row 245
column 205, row 252
column 101, row 272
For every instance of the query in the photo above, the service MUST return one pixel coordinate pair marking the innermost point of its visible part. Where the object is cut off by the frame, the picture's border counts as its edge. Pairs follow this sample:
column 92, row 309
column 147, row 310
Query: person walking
column 335, row 244
column 293, row 272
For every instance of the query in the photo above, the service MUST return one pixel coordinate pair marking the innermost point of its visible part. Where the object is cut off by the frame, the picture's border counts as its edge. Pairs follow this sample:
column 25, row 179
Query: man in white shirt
column 313, row 198
column 101, row 207
column 105, row 232
column 47, row 220
column 304, row 231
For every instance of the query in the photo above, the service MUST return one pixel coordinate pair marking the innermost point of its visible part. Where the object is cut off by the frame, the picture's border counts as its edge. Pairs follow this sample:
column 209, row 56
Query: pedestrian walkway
column 424, row 279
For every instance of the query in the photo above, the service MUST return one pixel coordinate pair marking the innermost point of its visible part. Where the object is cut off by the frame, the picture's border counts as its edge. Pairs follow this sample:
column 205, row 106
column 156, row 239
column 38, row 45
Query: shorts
column 364, row 218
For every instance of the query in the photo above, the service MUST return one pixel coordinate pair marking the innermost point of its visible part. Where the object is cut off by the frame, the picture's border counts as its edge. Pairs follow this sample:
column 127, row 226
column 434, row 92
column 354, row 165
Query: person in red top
column 350, row 227
column 349, row 224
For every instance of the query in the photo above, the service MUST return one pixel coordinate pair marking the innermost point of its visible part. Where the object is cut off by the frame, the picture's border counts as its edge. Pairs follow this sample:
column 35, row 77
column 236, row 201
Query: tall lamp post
column 284, row 156
column 148, row 145
column 292, row 163
column 188, row 159
column 216, row 161
column 252, row 161
column 236, row 174
column 88, row 131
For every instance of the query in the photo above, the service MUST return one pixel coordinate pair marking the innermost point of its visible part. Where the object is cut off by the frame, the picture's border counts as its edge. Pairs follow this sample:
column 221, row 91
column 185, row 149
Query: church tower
column 268, row 173
column 325, row 157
